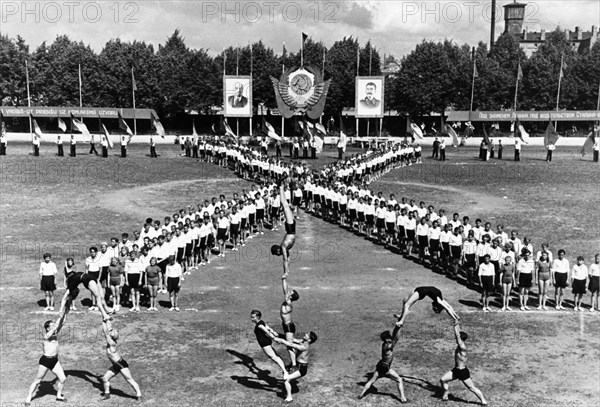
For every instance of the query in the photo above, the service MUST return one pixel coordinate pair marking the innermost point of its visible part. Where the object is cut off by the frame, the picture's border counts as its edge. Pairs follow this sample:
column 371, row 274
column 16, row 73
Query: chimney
column 578, row 33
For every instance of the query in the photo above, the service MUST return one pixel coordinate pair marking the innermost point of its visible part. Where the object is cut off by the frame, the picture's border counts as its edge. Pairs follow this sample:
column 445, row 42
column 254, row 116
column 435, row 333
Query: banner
column 537, row 116
column 369, row 96
column 83, row 112
column 237, row 96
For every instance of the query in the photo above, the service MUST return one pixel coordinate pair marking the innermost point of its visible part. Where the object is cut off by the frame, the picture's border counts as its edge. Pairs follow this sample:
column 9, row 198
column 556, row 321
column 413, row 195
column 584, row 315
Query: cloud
column 356, row 15
column 394, row 27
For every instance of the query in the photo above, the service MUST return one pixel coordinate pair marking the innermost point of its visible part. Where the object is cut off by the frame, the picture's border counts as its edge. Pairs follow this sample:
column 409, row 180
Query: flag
column 133, row 81
column 123, row 126
column 81, row 127
column 448, row 129
column 36, row 129
column 413, row 130
column 357, row 59
column 562, row 66
column 227, row 129
column 512, row 129
column 269, row 130
column 2, row 125
column 107, row 136
column 62, row 125
column 551, row 136
column 519, row 72
column 343, row 136
column 212, row 127
column 475, row 73
column 316, row 133
column 589, row 143
column 160, row 130
column 486, row 139
column 304, row 38
column 521, row 133
column 194, row 133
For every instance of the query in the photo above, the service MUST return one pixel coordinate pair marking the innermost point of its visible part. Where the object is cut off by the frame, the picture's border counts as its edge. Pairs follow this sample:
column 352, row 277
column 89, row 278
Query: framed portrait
column 237, row 96
column 369, row 96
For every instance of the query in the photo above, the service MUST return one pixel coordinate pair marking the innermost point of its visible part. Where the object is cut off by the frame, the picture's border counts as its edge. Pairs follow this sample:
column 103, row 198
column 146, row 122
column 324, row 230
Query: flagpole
column 134, row 115
column 357, row 74
column 323, row 78
column 237, row 60
column 80, row 85
column 224, row 62
column 251, row 67
column 370, row 57
column 472, row 84
column 28, row 97
column 302, row 51
column 516, row 90
column 283, row 59
column 559, row 80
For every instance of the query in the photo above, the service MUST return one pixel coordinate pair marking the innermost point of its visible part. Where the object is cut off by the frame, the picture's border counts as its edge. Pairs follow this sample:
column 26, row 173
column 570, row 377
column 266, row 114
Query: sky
column 393, row 26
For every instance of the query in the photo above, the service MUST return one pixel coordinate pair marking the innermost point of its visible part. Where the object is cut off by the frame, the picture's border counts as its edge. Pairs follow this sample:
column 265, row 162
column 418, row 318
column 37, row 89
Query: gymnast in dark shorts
column 384, row 366
column 88, row 282
column 302, row 349
column 119, row 365
column 460, row 371
column 264, row 335
column 438, row 302
column 49, row 360
column 290, row 228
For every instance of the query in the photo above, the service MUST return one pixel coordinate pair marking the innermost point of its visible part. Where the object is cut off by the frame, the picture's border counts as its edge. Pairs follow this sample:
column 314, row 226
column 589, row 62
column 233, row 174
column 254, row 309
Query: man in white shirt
column 174, row 275
column 525, row 276
column 560, row 270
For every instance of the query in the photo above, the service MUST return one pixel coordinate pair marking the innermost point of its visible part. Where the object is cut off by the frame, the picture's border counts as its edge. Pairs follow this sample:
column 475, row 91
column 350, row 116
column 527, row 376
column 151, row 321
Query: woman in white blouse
column 47, row 280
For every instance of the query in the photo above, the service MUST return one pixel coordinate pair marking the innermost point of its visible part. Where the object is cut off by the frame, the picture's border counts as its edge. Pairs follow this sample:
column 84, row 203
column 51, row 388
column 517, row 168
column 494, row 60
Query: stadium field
column 207, row 355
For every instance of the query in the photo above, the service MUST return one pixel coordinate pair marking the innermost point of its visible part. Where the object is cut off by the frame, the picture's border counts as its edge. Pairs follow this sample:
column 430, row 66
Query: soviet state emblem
column 301, row 91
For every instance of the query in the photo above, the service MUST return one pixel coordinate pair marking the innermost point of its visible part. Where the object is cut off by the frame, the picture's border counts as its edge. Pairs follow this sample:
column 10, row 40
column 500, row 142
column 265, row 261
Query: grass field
column 206, row 355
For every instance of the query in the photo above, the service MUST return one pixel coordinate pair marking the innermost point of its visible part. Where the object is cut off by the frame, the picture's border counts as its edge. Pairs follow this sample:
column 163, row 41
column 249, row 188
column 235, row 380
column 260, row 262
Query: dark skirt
column 594, row 284
column 579, row 286
column 47, row 283
column 525, row 280
column 488, row 283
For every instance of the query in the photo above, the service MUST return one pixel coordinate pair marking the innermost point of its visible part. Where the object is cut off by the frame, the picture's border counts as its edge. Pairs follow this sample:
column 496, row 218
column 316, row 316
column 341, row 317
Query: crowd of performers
column 159, row 255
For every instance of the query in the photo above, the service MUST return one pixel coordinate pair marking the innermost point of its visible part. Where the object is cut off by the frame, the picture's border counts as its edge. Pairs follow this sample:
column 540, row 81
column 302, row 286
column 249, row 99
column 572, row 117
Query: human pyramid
column 334, row 193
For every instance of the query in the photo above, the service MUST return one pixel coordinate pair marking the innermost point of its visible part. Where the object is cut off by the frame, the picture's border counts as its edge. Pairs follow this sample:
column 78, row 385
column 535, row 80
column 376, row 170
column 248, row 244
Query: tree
column 173, row 60
column 13, row 54
column 340, row 66
column 540, row 76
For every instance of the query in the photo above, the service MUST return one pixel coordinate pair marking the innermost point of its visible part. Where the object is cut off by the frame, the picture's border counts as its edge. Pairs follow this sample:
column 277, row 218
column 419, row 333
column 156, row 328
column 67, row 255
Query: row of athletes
column 190, row 237
column 455, row 245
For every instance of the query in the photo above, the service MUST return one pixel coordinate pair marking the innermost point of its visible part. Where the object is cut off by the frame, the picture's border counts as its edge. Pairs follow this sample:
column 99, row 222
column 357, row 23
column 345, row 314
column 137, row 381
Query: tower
column 514, row 15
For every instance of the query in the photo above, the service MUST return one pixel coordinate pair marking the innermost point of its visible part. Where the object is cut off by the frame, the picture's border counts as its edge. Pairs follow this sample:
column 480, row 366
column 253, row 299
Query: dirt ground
column 206, row 355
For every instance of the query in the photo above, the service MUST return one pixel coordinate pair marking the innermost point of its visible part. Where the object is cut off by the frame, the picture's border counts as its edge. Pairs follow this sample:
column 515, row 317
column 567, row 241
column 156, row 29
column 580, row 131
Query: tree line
column 173, row 79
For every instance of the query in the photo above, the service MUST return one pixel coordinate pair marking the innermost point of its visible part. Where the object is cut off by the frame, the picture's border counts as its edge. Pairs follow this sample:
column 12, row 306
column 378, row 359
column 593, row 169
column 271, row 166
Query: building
column 529, row 41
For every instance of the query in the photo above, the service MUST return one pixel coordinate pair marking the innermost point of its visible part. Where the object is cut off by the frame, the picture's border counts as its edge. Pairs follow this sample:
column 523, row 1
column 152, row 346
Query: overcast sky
column 393, row 26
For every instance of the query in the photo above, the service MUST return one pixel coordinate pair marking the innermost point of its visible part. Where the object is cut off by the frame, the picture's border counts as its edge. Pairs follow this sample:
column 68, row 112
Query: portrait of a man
column 369, row 96
column 370, row 101
column 238, row 100
column 237, row 96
